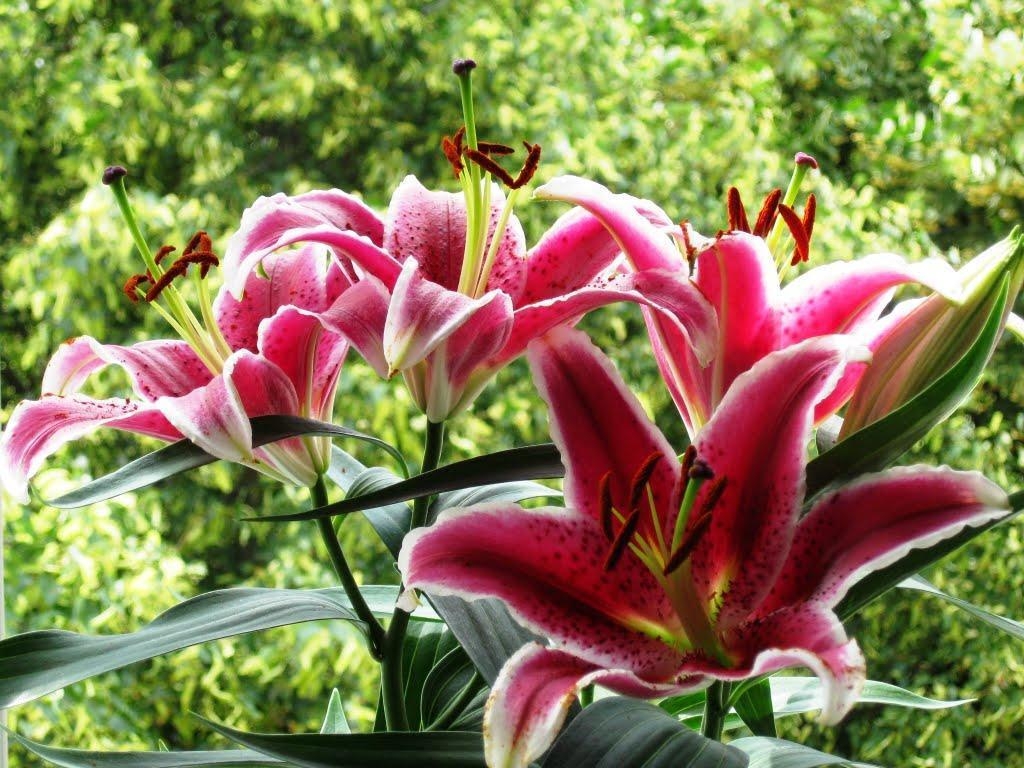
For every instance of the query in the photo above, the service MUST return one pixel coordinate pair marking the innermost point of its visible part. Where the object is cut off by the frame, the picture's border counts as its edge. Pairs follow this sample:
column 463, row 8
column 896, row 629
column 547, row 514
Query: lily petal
column 37, row 428
column 761, row 454
column 533, row 693
column 876, row 520
column 359, row 315
column 269, row 218
column 423, row 314
column 599, row 427
column 546, row 564
column 644, row 244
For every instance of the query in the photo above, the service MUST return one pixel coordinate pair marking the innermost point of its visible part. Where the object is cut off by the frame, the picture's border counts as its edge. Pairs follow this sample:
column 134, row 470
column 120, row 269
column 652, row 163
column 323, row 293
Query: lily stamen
column 683, row 552
column 605, row 506
column 796, row 228
column 622, row 540
column 808, row 223
column 766, row 217
column 641, row 478
column 737, row 213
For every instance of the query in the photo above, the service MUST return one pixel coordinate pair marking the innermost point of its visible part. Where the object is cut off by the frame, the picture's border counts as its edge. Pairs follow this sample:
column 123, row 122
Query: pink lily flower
column 448, row 302
column 663, row 575
column 267, row 353
column 736, row 273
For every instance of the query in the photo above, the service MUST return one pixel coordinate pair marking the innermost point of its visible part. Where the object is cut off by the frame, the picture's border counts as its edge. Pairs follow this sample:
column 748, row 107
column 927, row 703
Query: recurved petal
column 807, row 635
column 844, row 296
column 645, row 245
column 737, row 274
column 533, row 693
column 157, row 368
column 547, row 566
column 269, row 218
column 876, row 520
column 600, row 427
column 756, row 441
column 359, row 315
column 37, row 428
column 423, row 314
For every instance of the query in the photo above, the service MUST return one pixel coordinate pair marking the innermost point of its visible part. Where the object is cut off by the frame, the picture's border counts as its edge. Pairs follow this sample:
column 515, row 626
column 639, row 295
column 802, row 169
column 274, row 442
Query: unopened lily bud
column 927, row 337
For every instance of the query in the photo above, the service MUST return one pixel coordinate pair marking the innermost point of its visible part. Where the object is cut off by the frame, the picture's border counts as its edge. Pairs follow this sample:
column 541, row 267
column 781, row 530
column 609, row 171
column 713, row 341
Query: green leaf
column 527, row 463
column 515, row 492
column 627, row 733
column 431, row 749
column 796, row 695
column 766, row 752
column 334, row 719
column 36, row 663
column 685, row 705
column 453, row 692
column 1009, row 626
column 80, row 758
column 183, row 455
column 881, row 581
column 879, row 444
column 754, row 706
column 390, row 521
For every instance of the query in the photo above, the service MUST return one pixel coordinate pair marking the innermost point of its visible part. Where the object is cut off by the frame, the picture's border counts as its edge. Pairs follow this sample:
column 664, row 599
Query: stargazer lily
column 267, row 353
column 450, row 293
column 663, row 574
column 737, row 274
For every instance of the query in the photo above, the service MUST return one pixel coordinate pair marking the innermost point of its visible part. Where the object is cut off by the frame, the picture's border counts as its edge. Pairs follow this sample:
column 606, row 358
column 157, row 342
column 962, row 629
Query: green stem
column 716, row 707
column 392, row 687
column 375, row 632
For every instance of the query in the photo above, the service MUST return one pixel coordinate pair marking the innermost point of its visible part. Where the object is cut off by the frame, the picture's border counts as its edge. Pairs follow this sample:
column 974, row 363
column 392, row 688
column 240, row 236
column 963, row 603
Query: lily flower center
column 666, row 554
column 475, row 167
column 157, row 286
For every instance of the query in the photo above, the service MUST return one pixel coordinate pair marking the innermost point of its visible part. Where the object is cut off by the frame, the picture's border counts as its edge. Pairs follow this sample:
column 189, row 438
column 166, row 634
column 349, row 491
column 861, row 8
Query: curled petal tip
column 112, row 173
column 802, row 158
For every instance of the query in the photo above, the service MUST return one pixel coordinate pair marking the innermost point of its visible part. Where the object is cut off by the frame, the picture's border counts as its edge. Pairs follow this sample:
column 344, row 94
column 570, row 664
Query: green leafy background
column 915, row 110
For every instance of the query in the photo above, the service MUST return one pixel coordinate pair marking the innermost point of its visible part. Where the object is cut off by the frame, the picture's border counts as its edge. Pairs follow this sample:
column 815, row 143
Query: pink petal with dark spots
column 533, row 693
column 38, row 428
column 264, row 223
column 600, row 427
column 547, row 566
column 359, row 315
column 760, row 451
column 307, row 278
column 646, row 245
column 875, row 521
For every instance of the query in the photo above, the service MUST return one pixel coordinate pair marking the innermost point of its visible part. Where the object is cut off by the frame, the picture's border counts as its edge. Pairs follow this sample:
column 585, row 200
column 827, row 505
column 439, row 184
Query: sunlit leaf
column 1009, row 626
column 765, row 752
column 334, row 719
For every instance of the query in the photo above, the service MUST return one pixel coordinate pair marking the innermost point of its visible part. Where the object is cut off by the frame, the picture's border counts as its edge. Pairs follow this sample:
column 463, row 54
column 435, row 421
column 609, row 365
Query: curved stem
column 716, row 707
column 375, row 632
column 392, row 685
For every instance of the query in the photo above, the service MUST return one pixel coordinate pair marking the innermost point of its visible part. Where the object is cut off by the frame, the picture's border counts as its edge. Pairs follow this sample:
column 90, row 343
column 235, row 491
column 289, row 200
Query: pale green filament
column 773, row 239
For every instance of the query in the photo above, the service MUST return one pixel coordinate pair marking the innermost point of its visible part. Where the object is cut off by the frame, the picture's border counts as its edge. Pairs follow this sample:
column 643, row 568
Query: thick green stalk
column 392, row 685
column 375, row 632
column 716, row 707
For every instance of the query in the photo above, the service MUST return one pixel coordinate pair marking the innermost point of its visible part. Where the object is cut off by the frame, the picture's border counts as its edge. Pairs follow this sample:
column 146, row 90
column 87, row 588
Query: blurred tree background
column 914, row 109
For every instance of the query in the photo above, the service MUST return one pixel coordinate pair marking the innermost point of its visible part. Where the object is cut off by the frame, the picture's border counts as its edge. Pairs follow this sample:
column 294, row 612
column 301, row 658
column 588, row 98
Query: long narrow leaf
column 531, row 462
column 766, row 752
column 1009, row 626
column 390, row 521
column 36, row 663
column 754, row 706
column 184, row 455
column 881, row 443
column 433, row 749
column 81, row 758
column 625, row 733
column 796, row 695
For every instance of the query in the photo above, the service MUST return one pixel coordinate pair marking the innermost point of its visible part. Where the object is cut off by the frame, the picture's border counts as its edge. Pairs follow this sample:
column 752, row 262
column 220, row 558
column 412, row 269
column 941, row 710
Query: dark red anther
column 622, row 540
column 489, row 165
column 490, row 148
column 640, row 478
column 687, row 461
column 808, row 221
column 529, row 167
column 688, row 544
column 766, row 217
column 796, row 227
column 162, row 252
column 604, row 502
column 131, row 286
column 737, row 213
column 204, row 259
column 715, row 490
column 176, row 269
column 452, row 148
